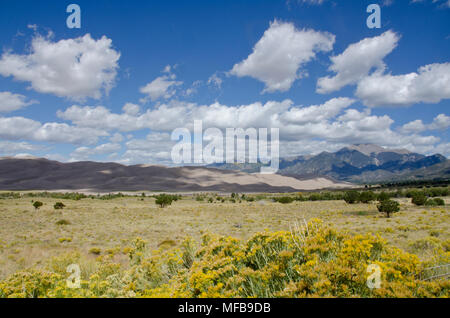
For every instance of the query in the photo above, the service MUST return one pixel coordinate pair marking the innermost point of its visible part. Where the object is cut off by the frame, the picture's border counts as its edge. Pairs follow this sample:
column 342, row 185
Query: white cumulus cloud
column 16, row 128
column 73, row 68
column 84, row 153
column 280, row 53
column 10, row 102
column 357, row 61
column 430, row 84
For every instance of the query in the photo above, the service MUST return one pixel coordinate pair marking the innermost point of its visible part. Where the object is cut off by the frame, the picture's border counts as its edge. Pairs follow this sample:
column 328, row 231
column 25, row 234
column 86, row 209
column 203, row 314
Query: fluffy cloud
column 161, row 87
column 430, row 84
column 83, row 153
column 316, row 113
column 154, row 149
column 73, row 68
column 163, row 117
column 331, row 120
column 10, row 102
column 15, row 128
column 131, row 109
column 167, row 117
column 327, row 126
column 116, row 138
column 415, row 126
column 8, row 148
column 280, row 53
column 66, row 134
column 357, row 61
column 440, row 122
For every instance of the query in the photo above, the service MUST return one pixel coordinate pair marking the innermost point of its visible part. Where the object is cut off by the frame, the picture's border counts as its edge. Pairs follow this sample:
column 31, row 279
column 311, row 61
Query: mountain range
column 361, row 163
column 43, row 174
column 356, row 164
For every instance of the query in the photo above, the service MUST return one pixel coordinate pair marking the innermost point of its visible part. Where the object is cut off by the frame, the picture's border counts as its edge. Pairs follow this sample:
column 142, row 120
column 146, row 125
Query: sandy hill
column 43, row 174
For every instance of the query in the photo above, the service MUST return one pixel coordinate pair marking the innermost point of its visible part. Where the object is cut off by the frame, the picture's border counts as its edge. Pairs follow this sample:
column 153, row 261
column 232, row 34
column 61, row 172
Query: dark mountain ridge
column 365, row 163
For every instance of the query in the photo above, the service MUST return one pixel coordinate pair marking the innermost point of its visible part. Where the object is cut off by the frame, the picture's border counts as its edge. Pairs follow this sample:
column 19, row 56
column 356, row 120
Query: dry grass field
column 29, row 237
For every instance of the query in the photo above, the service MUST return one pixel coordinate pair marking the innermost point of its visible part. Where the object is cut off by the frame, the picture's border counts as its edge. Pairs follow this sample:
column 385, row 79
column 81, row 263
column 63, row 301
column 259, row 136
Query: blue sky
column 137, row 70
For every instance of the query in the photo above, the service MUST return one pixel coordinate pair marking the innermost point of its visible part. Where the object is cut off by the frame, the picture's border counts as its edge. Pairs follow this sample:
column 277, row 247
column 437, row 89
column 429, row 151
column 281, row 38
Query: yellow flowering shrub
column 312, row 261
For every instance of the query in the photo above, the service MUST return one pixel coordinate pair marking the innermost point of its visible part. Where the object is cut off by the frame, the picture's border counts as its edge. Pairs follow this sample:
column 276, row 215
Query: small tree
column 419, row 199
column 59, row 206
column 351, row 197
column 164, row 200
column 37, row 204
column 388, row 207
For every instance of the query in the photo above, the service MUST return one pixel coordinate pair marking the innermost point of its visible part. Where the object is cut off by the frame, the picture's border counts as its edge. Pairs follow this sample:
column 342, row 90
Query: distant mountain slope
column 365, row 163
column 43, row 174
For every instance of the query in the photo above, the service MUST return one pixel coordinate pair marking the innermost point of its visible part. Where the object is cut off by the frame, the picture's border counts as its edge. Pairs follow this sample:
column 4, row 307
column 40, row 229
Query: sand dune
column 43, row 174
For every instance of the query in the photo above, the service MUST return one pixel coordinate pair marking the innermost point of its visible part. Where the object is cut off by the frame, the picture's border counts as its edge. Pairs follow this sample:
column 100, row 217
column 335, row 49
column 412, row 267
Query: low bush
column 95, row 251
column 383, row 196
column 351, row 197
column 366, row 196
column 419, row 199
column 59, row 206
column 284, row 200
column 37, row 204
column 435, row 202
column 62, row 222
column 312, row 261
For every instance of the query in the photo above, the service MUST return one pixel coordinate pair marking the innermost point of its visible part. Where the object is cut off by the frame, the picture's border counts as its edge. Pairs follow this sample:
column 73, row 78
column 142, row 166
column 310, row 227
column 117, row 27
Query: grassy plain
column 29, row 237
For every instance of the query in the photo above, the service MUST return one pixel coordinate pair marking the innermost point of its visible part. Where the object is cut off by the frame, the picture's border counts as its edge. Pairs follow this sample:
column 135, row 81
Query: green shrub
column 62, row 222
column 419, row 199
column 284, row 200
column 351, row 197
column 37, row 204
column 413, row 193
column 95, row 251
column 388, row 207
column 435, row 202
column 366, row 196
column 383, row 196
column 164, row 200
column 59, row 206
column 315, row 197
